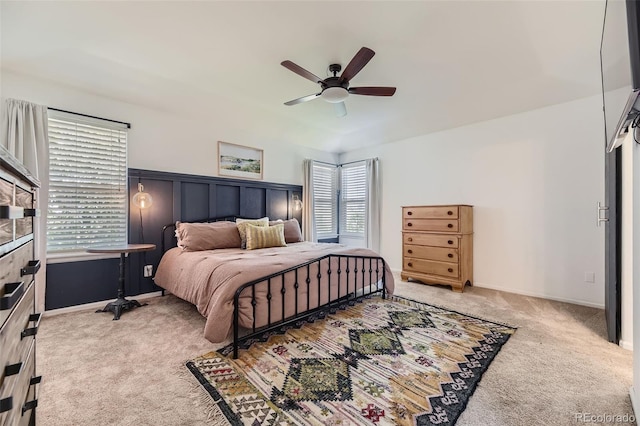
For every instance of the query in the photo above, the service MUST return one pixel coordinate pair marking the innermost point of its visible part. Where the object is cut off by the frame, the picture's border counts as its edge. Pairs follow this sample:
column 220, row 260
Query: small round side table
column 121, row 304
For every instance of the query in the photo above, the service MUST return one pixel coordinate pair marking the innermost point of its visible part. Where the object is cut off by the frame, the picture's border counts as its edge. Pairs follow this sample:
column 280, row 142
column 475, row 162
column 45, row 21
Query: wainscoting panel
column 176, row 197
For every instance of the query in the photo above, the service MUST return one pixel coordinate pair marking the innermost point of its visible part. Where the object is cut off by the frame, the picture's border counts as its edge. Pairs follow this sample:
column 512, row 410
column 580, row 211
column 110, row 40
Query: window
column 339, row 194
column 325, row 197
column 87, row 183
column 353, row 183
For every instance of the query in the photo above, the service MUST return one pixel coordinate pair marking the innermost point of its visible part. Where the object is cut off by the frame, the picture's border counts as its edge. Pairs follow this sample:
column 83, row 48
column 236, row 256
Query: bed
column 246, row 292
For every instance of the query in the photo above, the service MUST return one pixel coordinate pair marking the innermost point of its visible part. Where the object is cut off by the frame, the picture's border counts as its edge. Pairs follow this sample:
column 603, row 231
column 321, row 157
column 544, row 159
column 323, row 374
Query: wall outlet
column 589, row 277
column 148, row 271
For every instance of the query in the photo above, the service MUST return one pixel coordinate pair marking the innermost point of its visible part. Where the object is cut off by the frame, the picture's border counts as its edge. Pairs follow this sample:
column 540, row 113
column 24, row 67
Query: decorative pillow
column 242, row 228
column 207, row 236
column 265, row 236
column 292, row 232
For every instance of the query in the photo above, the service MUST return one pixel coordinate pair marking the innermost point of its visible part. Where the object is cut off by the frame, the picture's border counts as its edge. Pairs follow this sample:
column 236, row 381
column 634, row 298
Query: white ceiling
column 453, row 62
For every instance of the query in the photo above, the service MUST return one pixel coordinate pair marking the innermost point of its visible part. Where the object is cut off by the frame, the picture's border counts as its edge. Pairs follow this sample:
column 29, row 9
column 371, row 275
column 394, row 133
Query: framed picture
column 239, row 161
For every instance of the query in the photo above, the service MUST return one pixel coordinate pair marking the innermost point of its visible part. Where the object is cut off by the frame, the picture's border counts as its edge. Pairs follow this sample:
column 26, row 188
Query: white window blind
column 87, row 183
column 325, row 197
column 353, row 178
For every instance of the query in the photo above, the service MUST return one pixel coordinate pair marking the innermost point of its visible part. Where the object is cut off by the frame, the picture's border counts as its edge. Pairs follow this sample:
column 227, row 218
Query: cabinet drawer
column 14, row 346
column 16, row 387
column 24, row 199
column 10, row 266
column 438, row 225
column 451, row 241
column 431, row 267
column 431, row 253
column 430, row 212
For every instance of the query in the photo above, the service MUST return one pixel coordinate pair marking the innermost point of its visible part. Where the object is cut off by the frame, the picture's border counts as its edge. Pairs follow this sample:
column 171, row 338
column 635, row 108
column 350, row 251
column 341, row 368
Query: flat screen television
column 620, row 66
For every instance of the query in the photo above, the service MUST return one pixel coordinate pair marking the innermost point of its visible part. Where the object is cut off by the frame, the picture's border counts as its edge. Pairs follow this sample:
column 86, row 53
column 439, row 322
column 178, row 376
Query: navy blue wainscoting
column 176, row 197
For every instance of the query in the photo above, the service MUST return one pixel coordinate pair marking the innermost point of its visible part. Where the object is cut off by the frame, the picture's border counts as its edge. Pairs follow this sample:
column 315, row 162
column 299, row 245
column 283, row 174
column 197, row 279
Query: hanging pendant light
column 141, row 199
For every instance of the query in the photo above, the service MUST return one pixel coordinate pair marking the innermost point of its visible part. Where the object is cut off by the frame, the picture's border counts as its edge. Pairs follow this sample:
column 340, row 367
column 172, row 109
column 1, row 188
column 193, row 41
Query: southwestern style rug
column 377, row 362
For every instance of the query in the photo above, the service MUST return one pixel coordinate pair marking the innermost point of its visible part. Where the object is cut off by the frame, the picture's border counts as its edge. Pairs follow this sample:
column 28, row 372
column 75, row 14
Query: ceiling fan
column 336, row 89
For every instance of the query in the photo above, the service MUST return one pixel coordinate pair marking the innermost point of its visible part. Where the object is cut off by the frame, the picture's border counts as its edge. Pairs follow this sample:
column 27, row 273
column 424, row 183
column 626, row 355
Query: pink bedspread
column 209, row 280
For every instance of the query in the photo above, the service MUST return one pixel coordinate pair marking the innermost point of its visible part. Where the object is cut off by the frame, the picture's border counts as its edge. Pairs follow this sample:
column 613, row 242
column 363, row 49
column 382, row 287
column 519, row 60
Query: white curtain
column 25, row 135
column 372, row 202
column 308, row 222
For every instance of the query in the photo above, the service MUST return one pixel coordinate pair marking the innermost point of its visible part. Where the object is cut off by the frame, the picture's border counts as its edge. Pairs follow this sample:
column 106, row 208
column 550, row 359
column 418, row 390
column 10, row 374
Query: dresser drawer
column 14, row 346
column 16, row 390
column 24, row 199
column 430, row 212
column 431, row 267
column 451, row 241
column 431, row 253
column 10, row 266
column 437, row 225
column 6, row 199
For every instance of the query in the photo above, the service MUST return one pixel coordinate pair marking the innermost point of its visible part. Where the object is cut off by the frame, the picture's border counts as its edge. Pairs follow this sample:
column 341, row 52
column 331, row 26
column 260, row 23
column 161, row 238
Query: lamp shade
column 141, row 199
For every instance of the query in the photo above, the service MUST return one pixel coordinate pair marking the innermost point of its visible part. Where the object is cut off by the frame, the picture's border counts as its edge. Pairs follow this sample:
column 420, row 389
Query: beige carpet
column 130, row 372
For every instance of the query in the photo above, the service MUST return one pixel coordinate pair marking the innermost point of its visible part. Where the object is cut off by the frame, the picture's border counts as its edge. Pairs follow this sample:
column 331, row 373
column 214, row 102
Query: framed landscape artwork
column 239, row 161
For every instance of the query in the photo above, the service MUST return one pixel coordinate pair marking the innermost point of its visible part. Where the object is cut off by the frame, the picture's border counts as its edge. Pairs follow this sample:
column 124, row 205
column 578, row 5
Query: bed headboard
column 193, row 198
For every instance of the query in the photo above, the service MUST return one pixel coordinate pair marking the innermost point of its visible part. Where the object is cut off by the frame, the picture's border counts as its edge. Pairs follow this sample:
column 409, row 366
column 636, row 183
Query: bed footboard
column 312, row 287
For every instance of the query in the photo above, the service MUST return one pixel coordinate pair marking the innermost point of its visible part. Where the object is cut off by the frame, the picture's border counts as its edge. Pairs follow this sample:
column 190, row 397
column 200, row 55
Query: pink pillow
column 207, row 236
column 292, row 232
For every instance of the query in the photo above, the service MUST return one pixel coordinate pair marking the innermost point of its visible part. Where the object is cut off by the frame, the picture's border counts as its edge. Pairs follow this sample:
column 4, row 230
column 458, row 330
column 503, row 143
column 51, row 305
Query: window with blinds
column 353, row 184
column 325, row 198
column 87, row 183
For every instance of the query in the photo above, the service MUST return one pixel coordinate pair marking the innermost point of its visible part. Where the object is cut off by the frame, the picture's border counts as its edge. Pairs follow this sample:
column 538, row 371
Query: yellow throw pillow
column 242, row 228
column 263, row 237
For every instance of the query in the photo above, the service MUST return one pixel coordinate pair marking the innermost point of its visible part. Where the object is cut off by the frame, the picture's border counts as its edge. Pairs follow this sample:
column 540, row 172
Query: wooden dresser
column 18, row 320
column 437, row 245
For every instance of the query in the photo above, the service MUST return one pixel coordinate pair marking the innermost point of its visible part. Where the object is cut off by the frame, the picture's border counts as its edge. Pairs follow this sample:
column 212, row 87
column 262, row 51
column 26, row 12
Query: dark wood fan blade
column 301, row 71
column 373, row 91
column 302, row 99
column 358, row 62
column 341, row 109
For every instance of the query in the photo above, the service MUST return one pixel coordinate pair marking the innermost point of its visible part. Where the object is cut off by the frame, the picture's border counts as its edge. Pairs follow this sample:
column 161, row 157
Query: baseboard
column 635, row 404
column 530, row 294
column 541, row 296
column 95, row 305
column 626, row 345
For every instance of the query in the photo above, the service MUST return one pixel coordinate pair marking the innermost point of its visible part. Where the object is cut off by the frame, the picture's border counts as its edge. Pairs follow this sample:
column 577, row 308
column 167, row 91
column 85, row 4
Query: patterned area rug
column 391, row 361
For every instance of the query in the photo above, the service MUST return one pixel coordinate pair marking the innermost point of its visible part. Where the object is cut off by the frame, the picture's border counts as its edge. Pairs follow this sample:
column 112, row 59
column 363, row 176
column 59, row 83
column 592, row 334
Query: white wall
column 634, row 392
column 534, row 180
column 163, row 140
column 627, row 240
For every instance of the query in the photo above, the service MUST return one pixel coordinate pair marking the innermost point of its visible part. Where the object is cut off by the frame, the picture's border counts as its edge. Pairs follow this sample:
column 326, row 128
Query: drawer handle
column 33, row 330
column 29, row 405
column 410, row 264
column 409, row 239
column 12, row 293
column 449, row 225
column 450, row 255
column 450, row 242
column 409, row 213
column 409, row 224
column 450, row 269
column 11, row 212
column 31, row 212
column 31, row 269
column 449, row 212
column 409, row 251
column 6, row 404
column 35, row 380
column 12, row 369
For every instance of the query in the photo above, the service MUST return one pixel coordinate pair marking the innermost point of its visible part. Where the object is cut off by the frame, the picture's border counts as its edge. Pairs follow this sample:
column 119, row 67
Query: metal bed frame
column 361, row 271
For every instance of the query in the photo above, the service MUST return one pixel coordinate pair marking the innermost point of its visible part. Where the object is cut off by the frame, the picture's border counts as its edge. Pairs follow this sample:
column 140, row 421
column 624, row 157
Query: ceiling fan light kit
column 334, row 94
column 336, row 89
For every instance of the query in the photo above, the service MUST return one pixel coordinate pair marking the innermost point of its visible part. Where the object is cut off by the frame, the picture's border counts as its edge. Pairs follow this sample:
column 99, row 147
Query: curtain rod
column 343, row 164
column 91, row 116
